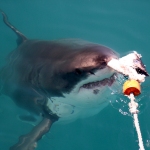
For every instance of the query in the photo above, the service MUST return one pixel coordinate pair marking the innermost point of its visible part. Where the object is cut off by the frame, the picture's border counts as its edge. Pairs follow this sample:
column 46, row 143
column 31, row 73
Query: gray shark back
column 46, row 64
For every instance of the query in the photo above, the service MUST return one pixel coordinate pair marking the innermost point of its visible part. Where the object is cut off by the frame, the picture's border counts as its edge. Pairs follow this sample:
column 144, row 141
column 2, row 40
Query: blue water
column 123, row 25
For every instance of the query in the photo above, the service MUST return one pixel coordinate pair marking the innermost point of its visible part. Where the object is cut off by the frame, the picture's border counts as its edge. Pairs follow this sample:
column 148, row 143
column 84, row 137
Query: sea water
column 123, row 25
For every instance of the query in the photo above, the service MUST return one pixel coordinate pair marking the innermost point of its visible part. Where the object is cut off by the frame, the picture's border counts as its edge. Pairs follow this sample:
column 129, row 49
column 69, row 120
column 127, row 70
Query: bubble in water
column 147, row 144
column 124, row 113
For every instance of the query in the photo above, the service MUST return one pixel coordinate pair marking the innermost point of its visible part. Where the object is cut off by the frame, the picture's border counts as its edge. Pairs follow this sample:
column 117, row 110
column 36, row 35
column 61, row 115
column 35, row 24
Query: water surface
column 122, row 25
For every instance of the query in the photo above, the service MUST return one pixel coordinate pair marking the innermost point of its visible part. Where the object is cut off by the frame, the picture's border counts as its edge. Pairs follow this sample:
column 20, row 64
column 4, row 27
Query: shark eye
column 78, row 71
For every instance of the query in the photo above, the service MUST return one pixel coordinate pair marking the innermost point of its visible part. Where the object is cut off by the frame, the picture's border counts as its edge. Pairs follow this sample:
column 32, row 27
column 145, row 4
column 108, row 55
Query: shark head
column 83, row 80
column 82, row 68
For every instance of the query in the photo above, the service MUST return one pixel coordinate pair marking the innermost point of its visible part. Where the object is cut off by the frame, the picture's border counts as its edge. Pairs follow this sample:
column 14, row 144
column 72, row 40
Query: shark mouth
column 104, row 82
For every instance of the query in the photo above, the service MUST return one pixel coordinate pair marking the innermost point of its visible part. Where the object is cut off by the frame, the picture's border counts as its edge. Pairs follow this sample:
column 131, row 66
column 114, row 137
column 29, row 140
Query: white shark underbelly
column 88, row 104
column 84, row 102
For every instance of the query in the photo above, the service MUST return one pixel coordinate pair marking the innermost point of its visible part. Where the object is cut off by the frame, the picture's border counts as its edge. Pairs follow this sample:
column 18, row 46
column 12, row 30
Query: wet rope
column 133, row 109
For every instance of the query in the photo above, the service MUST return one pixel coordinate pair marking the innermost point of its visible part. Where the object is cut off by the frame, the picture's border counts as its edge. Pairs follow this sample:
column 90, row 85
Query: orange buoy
column 131, row 86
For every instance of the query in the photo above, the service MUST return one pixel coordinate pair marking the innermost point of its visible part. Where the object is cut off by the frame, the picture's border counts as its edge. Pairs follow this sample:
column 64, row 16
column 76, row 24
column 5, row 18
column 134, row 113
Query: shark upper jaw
column 107, row 81
column 97, row 84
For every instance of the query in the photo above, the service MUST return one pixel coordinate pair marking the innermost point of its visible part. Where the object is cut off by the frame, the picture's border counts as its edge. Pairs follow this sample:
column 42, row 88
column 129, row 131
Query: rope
column 133, row 109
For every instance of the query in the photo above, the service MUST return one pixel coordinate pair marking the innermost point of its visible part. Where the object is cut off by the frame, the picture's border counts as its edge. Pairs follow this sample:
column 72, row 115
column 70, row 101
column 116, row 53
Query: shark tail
column 21, row 37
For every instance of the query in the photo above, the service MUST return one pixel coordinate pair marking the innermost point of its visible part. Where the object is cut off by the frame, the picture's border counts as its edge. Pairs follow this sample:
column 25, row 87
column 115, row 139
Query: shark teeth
column 104, row 82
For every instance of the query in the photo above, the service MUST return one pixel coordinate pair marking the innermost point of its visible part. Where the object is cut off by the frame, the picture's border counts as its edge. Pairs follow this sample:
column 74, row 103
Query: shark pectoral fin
column 29, row 141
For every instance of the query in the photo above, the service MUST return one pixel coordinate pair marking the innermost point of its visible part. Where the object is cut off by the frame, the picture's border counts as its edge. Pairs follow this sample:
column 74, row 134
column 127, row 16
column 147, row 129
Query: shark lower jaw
column 97, row 84
column 89, row 100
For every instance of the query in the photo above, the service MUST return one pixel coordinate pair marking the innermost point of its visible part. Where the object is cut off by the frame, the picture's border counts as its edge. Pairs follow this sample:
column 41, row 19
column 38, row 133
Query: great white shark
column 59, row 80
